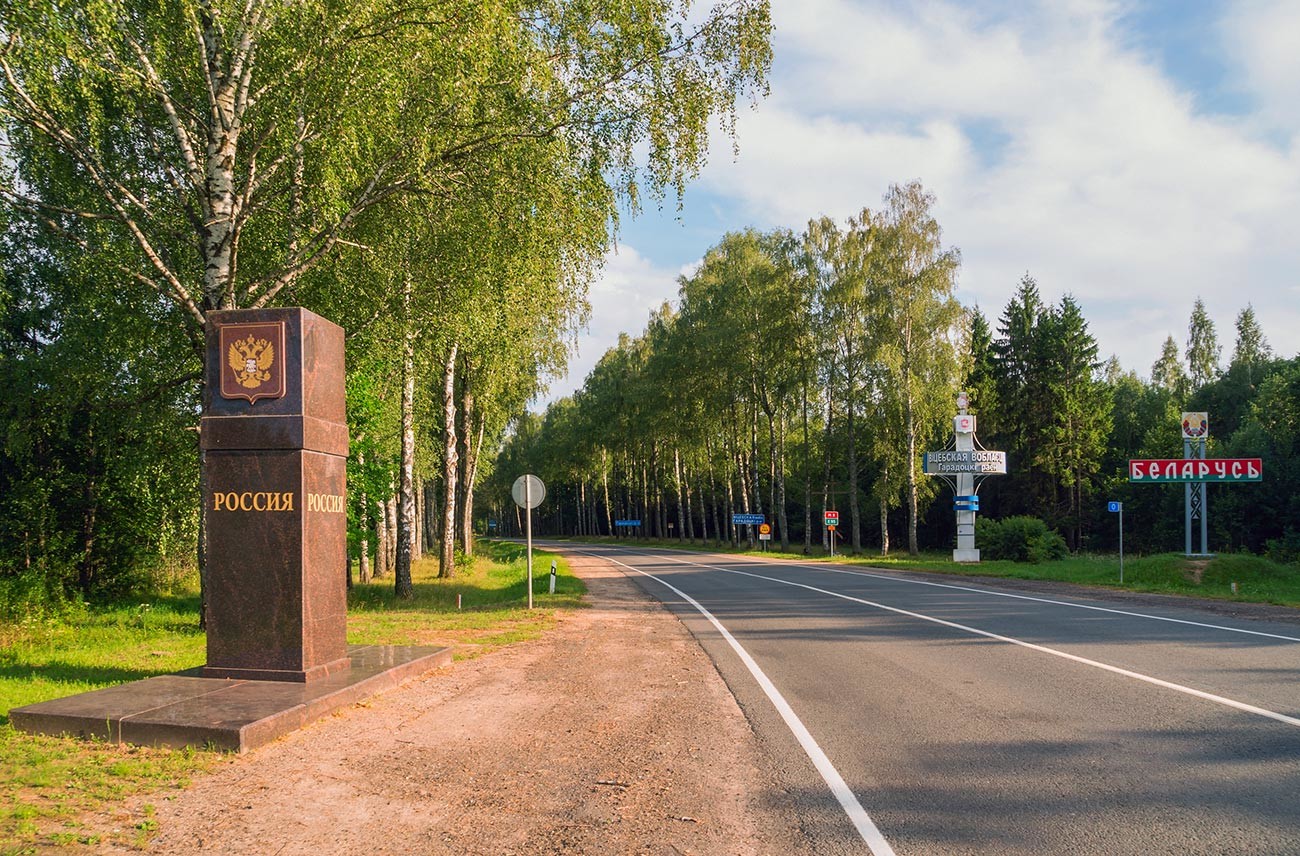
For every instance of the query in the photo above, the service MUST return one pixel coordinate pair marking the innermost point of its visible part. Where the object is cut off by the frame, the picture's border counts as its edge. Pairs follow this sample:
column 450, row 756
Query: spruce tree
column 1203, row 347
column 1167, row 372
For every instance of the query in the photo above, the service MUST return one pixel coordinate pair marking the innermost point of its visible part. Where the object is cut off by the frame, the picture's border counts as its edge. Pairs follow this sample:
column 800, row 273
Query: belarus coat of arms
column 253, row 357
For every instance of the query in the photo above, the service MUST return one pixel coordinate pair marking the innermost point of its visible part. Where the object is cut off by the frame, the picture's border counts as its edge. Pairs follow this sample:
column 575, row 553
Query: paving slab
column 223, row 713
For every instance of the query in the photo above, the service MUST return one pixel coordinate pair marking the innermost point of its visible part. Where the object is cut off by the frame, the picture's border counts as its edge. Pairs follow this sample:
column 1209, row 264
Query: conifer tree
column 1203, row 347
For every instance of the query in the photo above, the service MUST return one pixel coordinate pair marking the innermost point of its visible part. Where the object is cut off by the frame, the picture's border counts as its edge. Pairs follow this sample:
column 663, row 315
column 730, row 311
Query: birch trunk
column 780, row 490
column 604, row 476
column 363, row 561
column 391, row 511
column 402, row 583
column 450, row 467
column 681, row 507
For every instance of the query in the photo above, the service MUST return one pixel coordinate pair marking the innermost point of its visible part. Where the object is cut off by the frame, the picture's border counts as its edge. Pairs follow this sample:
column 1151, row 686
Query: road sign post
column 528, row 492
column 831, row 519
column 964, row 465
column 1118, row 508
column 1196, row 471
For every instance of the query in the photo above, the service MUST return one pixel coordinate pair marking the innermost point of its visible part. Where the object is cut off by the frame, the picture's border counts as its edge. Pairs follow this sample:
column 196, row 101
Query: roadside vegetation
column 49, row 783
column 1258, row 579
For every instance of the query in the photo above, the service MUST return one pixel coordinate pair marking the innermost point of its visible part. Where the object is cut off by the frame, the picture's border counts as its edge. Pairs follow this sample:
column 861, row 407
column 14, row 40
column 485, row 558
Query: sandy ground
column 612, row 734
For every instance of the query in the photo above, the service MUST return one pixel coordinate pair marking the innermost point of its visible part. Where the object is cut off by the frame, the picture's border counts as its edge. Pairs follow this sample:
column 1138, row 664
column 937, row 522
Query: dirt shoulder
column 612, row 734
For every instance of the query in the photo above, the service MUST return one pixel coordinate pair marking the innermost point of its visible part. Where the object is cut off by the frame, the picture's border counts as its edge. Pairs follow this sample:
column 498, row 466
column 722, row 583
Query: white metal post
column 1121, row 543
column 528, row 510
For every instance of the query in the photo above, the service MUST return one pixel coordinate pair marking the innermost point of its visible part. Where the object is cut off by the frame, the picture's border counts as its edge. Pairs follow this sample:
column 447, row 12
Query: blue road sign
column 628, row 523
column 1114, row 507
column 748, row 519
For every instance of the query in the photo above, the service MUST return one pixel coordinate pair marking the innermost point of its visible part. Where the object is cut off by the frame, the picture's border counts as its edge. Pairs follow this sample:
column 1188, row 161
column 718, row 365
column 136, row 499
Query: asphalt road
column 931, row 715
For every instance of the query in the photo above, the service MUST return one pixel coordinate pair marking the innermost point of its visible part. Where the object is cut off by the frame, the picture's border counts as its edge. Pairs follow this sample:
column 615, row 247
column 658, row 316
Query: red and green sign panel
column 1224, row 470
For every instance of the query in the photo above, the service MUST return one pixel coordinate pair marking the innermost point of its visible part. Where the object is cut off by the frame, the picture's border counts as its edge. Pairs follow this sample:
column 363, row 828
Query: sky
column 1136, row 155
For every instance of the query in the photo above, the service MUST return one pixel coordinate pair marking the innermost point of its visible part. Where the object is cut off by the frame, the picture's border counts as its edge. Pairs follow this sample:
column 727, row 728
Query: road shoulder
column 614, row 733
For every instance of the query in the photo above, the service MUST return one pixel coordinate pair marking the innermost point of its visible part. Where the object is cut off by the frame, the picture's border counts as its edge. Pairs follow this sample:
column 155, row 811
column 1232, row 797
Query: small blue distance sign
column 1114, row 507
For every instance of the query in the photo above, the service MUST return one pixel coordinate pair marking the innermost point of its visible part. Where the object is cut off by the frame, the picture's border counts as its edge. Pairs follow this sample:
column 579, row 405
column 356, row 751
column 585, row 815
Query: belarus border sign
column 954, row 462
column 747, row 519
column 1223, row 470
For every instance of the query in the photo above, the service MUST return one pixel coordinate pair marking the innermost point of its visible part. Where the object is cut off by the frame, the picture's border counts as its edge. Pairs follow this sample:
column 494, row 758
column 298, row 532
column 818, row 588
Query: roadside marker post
column 831, row 519
column 1194, row 471
column 1118, row 508
column 964, row 465
column 528, row 491
column 552, row 576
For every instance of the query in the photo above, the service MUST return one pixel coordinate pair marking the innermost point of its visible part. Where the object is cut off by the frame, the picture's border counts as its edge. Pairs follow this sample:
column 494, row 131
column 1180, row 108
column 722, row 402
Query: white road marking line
column 1227, row 702
column 857, row 814
column 1028, row 597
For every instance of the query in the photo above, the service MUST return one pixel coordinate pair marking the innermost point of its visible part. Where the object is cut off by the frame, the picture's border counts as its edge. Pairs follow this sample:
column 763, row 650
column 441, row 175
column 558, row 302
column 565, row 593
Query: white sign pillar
column 528, row 492
column 964, row 429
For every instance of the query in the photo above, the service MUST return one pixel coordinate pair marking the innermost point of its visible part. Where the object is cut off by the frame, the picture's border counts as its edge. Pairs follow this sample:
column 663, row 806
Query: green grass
column 1259, row 580
column 47, row 784
column 493, row 603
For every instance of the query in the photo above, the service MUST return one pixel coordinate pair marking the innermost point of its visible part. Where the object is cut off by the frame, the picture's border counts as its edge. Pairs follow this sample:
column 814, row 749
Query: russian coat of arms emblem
column 250, row 358
column 254, row 361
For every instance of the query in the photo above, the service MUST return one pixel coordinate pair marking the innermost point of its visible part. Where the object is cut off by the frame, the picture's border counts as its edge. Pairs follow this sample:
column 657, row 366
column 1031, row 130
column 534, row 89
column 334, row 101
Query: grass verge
column 48, row 785
column 1258, row 580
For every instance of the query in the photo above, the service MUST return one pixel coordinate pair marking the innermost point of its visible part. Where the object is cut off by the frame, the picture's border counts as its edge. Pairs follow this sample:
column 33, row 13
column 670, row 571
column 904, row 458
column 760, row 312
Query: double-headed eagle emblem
column 251, row 360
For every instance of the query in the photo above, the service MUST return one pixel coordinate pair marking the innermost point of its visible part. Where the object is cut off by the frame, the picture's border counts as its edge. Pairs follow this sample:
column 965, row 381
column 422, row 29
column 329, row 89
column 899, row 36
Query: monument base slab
column 967, row 554
column 236, row 715
column 306, row 676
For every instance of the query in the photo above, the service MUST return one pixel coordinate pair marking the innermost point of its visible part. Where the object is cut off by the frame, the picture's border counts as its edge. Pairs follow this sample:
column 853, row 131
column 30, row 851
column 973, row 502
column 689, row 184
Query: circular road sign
column 528, row 491
column 765, row 529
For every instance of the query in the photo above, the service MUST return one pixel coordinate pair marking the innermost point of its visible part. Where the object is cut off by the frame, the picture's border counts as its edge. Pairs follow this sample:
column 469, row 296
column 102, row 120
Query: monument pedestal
column 275, row 444
column 274, row 436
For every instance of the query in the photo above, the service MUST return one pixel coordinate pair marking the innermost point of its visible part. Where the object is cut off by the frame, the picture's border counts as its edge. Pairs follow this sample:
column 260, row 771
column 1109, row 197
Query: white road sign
column 528, row 491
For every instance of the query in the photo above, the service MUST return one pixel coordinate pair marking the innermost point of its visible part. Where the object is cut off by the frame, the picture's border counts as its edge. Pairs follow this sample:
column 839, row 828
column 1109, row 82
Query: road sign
column 765, row 529
column 954, row 462
column 528, row 491
column 1118, row 508
column 1226, row 470
column 627, row 523
column 747, row 519
column 831, row 518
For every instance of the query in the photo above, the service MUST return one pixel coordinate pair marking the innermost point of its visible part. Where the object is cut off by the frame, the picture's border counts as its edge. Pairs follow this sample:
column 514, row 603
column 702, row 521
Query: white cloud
column 1053, row 146
column 1261, row 37
column 1106, row 184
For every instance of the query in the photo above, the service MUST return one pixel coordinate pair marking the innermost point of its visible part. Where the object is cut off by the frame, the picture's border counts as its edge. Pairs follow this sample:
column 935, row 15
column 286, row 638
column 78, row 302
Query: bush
column 1284, row 550
column 31, row 597
column 1019, row 539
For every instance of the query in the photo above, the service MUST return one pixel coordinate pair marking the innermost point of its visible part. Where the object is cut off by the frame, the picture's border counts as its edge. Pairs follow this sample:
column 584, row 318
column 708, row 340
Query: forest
column 440, row 178
column 799, row 372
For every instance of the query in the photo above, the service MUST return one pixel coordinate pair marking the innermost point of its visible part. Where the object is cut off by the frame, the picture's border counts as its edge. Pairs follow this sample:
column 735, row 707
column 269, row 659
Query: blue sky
column 1134, row 154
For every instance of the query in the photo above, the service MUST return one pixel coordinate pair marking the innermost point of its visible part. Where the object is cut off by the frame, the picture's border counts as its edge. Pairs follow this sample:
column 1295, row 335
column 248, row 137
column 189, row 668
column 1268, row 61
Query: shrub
column 1285, row 550
column 1019, row 539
